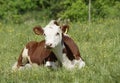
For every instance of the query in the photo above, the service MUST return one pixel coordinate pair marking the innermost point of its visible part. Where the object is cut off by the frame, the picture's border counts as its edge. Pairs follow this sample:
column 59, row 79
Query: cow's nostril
column 50, row 44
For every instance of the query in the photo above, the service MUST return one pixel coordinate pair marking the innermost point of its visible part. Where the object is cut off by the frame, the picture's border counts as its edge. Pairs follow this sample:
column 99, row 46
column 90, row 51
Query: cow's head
column 52, row 32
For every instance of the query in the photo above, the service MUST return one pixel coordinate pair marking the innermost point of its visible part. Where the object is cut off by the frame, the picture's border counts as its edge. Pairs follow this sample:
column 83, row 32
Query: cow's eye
column 57, row 33
column 44, row 34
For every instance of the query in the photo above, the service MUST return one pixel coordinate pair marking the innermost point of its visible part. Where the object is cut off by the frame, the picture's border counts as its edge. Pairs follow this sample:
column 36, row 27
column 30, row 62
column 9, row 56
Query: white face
column 53, row 35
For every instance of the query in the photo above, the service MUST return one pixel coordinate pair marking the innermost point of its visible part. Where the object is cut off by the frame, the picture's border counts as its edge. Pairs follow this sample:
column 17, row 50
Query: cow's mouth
column 48, row 47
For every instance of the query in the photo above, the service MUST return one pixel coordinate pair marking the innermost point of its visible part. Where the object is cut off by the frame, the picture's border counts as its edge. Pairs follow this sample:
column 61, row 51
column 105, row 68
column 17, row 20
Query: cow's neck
column 58, row 50
column 62, row 57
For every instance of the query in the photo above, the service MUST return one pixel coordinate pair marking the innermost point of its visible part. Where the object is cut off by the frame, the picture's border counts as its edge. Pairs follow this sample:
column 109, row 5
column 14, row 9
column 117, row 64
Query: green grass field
column 99, row 45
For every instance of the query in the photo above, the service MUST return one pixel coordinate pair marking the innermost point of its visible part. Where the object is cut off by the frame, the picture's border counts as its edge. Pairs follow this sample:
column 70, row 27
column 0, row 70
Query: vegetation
column 99, row 45
column 75, row 10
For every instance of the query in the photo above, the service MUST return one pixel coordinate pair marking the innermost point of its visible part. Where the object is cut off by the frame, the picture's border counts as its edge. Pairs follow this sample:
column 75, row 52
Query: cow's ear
column 65, row 28
column 38, row 30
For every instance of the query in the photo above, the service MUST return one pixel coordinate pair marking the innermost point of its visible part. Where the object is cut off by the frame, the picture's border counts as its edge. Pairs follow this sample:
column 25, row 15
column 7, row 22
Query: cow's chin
column 48, row 47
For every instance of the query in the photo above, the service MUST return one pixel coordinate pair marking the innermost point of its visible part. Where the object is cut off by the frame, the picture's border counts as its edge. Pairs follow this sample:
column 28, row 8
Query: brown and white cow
column 36, row 53
column 64, row 48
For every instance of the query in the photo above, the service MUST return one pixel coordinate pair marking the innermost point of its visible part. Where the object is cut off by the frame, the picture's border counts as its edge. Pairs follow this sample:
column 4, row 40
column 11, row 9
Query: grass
column 99, row 46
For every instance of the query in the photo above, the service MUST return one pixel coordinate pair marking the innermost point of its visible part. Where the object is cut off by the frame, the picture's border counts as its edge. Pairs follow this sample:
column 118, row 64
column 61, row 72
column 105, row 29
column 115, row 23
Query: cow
column 64, row 48
column 38, row 53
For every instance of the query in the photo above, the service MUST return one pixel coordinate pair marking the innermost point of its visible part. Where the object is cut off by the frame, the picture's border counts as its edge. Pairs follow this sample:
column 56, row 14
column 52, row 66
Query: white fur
column 72, row 64
column 67, row 63
column 57, row 47
column 25, row 56
column 78, row 63
column 51, row 36
column 51, row 64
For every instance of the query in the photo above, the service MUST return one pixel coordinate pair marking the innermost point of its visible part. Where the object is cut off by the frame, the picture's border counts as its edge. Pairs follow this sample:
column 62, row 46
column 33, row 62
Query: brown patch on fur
column 68, row 53
column 70, row 44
